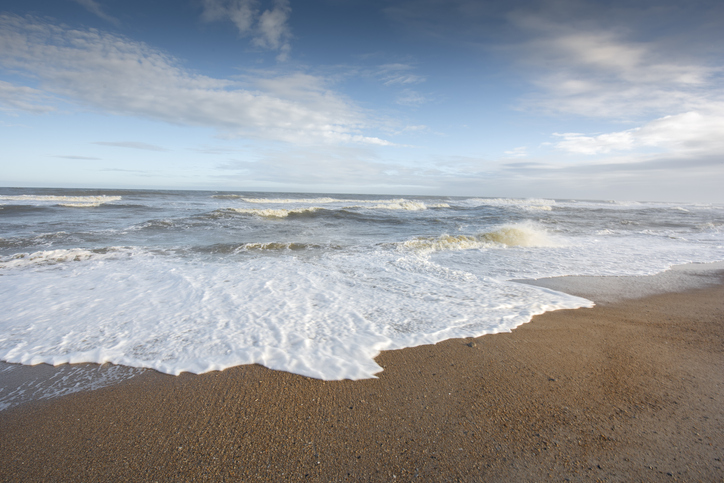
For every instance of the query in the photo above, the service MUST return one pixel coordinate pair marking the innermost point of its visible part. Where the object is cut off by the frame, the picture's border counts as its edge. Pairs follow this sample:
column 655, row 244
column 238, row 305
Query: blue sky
column 559, row 99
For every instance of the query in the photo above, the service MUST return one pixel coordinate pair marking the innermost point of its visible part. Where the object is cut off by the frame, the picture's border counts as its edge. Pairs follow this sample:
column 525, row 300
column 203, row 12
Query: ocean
column 313, row 284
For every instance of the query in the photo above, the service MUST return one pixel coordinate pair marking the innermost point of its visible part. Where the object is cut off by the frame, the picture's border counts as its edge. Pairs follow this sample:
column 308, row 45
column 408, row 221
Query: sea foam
column 316, row 284
column 326, row 318
column 67, row 201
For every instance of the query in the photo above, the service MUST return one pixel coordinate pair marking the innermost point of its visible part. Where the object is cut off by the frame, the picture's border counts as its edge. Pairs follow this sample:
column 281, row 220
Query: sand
column 630, row 390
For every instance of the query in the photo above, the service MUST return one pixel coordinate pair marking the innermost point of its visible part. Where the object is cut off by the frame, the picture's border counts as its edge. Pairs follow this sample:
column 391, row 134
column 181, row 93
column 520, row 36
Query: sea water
column 311, row 284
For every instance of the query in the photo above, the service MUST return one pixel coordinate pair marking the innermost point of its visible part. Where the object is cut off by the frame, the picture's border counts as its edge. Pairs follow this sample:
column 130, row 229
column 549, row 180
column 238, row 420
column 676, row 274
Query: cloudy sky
column 561, row 99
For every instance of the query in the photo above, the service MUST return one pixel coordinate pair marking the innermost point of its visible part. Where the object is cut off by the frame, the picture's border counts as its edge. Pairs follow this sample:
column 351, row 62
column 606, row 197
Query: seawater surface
column 312, row 284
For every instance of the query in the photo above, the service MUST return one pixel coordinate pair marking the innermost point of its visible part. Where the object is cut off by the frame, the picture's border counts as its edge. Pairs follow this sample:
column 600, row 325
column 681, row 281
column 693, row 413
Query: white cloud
column 688, row 134
column 587, row 70
column 121, row 76
column 414, row 128
column 409, row 97
column 241, row 12
column 272, row 26
column 398, row 74
column 344, row 167
column 269, row 28
column 94, row 7
column 519, row 152
column 22, row 98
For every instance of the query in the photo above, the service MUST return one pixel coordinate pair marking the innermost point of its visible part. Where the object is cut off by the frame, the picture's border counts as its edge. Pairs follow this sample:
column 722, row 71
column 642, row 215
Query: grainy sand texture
column 631, row 390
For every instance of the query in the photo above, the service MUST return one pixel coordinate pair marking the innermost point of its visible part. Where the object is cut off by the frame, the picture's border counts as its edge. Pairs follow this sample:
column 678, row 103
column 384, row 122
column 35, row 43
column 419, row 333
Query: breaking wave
column 519, row 235
column 285, row 212
column 60, row 256
column 276, row 247
column 322, row 200
column 409, row 206
column 274, row 213
column 68, row 201
column 532, row 204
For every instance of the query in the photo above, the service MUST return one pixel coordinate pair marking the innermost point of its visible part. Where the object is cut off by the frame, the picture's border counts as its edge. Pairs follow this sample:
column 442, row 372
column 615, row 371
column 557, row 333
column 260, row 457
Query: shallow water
column 311, row 284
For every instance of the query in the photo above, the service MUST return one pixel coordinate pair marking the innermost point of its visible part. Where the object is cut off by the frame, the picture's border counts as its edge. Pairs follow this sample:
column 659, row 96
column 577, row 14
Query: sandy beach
column 630, row 390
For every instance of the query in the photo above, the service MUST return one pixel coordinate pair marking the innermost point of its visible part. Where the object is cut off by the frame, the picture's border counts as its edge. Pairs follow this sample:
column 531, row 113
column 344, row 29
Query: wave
column 518, row 235
column 276, row 247
column 407, row 205
column 390, row 204
column 711, row 226
column 67, row 201
column 285, row 212
column 273, row 213
column 532, row 204
column 60, row 256
column 321, row 200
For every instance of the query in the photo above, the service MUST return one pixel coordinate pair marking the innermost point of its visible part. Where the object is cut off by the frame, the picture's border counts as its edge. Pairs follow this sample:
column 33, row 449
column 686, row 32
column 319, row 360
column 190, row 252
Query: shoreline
column 22, row 384
column 628, row 390
column 612, row 289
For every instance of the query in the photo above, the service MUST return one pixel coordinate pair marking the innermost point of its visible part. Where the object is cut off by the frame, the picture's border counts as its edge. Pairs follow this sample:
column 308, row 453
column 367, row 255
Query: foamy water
column 315, row 285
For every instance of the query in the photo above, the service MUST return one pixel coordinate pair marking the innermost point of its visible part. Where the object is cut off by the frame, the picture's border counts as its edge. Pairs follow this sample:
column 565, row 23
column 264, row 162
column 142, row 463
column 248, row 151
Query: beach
column 629, row 390
column 272, row 240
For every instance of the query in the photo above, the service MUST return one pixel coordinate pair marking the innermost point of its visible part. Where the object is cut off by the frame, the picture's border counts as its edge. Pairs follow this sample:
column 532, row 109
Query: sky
column 565, row 99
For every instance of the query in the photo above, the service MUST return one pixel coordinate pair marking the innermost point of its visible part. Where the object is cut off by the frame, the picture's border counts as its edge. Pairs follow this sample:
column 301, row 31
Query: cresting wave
column 67, row 201
column 407, row 205
column 60, row 256
column 276, row 247
column 519, row 235
column 389, row 204
column 525, row 204
column 285, row 212
column 321, row 200
column 272, row 213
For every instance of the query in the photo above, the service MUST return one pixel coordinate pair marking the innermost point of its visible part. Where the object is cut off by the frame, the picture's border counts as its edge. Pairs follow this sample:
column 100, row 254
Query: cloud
column 687, row 134
column 124, row 77
column 132, row 145
column 618, row 60
column 241, row 12
column 344, row 167
column 519, row 152
column 410, row 97
column 579, row 64
column 398, row 74
column 22, row 98
column 94, row 7
column 81, row 158
column 269, row 28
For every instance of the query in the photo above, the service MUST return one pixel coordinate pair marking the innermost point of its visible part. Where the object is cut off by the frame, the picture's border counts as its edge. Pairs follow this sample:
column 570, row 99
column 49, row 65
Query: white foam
column 285, row 212
column 325, row 318
column 403, row 205
column 321, row 200
column 274, row 213
column 526, row 203
column 55, row 257
column 67, row 201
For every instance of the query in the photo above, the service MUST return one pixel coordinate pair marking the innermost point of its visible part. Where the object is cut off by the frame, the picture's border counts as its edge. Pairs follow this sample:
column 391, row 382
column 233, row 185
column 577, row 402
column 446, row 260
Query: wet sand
column 630, row 390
